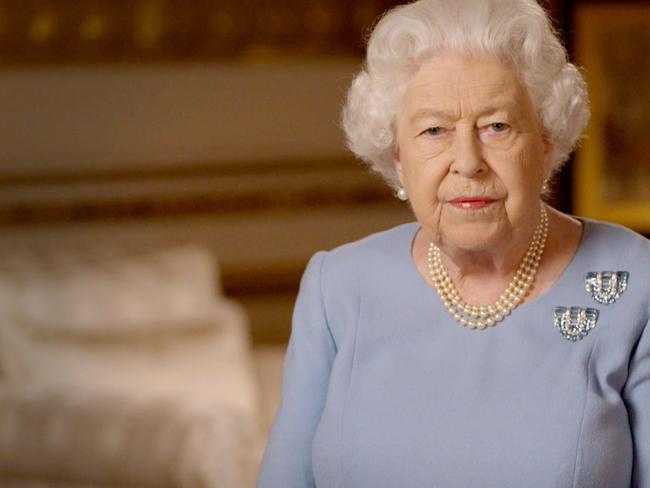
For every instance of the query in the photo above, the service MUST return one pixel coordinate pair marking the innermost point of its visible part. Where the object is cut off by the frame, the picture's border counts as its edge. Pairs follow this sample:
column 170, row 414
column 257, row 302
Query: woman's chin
column 474, row 236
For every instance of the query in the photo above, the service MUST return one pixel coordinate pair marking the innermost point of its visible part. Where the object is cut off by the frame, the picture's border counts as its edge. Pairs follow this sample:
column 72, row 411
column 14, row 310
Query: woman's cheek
column 502, row 142
column 430, row 147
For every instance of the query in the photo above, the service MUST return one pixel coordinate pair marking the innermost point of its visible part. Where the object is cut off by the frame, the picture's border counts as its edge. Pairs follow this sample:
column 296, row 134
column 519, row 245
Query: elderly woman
column 495, row 342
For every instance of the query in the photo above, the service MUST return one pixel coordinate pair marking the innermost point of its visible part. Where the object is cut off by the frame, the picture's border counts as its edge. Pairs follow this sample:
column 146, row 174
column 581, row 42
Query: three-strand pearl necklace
column 480, row 317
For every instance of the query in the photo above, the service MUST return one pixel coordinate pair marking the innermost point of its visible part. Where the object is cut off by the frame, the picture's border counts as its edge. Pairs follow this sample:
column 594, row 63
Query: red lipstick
column 471, row 203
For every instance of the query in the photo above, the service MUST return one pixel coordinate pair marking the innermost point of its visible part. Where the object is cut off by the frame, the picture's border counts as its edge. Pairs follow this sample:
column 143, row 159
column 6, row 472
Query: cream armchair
column 122, row 368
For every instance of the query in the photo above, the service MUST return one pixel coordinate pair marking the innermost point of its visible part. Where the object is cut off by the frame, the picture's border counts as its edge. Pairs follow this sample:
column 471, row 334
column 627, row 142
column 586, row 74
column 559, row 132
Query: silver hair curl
column 516, row 31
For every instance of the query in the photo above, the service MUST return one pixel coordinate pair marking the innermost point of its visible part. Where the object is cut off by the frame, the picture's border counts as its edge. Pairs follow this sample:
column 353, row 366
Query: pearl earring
column 401, row 193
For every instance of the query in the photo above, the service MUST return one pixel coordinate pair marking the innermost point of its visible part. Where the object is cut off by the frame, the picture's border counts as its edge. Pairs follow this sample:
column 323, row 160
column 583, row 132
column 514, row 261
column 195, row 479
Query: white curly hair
column 518, row 32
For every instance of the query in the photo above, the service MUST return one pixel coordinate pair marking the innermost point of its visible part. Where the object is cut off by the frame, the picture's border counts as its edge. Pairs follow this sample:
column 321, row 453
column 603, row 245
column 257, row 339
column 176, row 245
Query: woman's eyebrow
column 505, row 109
column 424, row 113
column 494, row 109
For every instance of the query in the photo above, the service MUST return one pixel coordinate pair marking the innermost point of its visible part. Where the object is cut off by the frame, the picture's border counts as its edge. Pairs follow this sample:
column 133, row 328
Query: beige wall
column 143, row 116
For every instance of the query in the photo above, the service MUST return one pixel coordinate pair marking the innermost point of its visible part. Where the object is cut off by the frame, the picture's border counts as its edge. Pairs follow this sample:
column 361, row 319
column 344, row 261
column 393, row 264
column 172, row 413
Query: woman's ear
column 398, row 164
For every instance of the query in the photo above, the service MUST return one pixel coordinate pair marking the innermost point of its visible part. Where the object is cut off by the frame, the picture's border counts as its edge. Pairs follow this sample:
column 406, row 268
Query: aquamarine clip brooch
column 575, row 322
column 606, row 286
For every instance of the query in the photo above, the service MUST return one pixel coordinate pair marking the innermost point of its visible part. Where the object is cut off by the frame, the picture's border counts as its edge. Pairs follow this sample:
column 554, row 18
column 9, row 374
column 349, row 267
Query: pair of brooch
column 605, row 287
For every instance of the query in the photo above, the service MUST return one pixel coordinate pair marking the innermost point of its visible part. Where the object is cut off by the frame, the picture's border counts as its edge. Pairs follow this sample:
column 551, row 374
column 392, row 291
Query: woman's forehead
column 481, row 83
column 456, row 73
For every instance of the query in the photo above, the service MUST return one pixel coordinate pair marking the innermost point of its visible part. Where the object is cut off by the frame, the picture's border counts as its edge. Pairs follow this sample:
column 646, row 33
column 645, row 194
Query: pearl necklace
column 480, row 317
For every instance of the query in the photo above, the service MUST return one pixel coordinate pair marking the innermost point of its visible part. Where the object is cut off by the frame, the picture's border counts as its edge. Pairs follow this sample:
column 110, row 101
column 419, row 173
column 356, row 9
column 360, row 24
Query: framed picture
column 612, row 178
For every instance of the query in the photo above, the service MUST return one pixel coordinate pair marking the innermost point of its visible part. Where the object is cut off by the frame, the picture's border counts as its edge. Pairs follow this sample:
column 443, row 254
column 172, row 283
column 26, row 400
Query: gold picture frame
column 612, row 177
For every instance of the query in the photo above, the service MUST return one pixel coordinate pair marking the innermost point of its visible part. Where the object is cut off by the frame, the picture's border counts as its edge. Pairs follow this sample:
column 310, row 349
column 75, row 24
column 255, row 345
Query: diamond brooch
column 575, row 323
column 606, row 286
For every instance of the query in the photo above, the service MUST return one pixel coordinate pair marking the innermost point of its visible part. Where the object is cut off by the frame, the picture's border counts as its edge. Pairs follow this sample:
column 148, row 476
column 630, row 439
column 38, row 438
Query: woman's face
column 471, row 153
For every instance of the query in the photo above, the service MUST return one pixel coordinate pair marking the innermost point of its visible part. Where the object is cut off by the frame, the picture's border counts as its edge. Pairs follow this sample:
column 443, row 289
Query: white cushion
column 110, row 438
column 197, row 361
column 103, row 288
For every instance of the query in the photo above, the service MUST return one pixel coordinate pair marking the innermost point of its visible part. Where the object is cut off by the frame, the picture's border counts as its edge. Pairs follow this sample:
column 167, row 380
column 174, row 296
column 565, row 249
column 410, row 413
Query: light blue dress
column 383, row 389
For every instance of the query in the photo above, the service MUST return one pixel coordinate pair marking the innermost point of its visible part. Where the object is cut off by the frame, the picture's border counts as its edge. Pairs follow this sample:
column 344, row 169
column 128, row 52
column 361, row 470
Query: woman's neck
column 481, row 276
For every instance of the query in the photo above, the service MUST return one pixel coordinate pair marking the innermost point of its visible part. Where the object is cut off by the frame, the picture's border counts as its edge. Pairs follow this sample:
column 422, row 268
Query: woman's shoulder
column 614, row 242
column 379, row 245
column 338, row 276
column 341, row 268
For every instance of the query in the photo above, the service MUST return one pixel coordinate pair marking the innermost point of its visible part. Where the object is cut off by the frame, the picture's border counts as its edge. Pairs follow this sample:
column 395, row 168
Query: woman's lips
column 471, row 203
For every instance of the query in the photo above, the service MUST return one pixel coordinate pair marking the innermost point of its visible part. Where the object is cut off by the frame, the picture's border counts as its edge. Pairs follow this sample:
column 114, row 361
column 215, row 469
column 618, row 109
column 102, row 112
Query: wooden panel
column 228, row 190
column 91, row 31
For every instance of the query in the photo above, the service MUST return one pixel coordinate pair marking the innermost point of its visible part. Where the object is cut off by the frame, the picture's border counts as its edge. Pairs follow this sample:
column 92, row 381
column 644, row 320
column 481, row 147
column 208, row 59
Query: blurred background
column 167, row 168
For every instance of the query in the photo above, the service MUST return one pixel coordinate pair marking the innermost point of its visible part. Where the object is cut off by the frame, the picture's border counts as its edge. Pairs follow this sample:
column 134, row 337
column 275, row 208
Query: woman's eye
column 499, row 126
column 433, row 131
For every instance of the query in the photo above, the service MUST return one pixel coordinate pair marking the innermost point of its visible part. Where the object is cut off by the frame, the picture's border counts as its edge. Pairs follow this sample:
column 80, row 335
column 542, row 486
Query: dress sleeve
column 637, row 397
column 311, row 350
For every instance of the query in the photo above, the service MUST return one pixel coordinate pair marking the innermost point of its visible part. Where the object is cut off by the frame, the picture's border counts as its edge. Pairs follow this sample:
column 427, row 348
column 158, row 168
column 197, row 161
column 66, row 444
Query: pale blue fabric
column 383, row 389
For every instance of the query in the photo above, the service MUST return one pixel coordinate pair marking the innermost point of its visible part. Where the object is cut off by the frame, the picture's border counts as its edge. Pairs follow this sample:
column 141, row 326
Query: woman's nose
column 467, row 158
